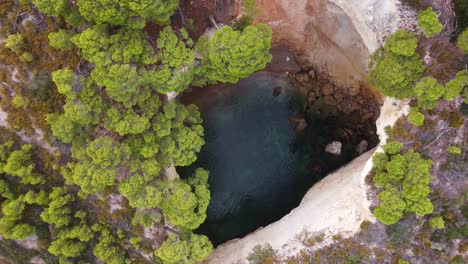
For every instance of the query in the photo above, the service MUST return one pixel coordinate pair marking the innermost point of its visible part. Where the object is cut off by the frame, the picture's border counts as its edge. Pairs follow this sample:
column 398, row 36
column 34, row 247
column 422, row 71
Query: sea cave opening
column 269, row 139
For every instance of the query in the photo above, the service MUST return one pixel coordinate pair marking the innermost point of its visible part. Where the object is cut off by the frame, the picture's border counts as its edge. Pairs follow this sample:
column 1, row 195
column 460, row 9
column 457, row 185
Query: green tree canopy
column 180, row 133
column 230, row 55
column 455, row 87
column 394, row 75
column 20, row 164
column 402, row 42
column 58, row 212
column 131, row 13
column 391, row 206
column 462, row 41
column 429, row 23
column 60, row 39
column 98, row 167
column 428, row 91
column 15, row 43
column 405, row 179
column 190, row 251
column 53, row 7
column 416, row 117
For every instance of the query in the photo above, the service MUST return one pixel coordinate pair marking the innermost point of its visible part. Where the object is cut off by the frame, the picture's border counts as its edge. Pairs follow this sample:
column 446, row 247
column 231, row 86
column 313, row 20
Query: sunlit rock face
column 338, row 34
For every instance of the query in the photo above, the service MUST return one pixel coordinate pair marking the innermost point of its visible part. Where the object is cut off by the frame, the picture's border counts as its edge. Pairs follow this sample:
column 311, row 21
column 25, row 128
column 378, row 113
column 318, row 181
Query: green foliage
column 98, row 167
column 230, row 55
column 79, row 113
column 20, row 164
column 394, row 74
column 123, row 83
column 428, row 91
column 190, row 251
column 65, row 80
column 146, row 218
column 26, row 57
column 402, row 42
column 180, row 132
column 131, row 46
column 416, row 184
column 391, row 206
column 173, row 250
column 437, row 222
column 60, row 39
column 416, row 117
column 12, row 213
column 406, row 180
column 129, row 13
column 107, row 249
column 457, row 85
column 94, row 43
column 39, row 198
column 62, row 128
column 15, row 43
column 262, row 254
column 139, row 194
column 462, row 41
column 126, row 123
column 52, row 7
column 71, row 241
column 392, row 147
column 177, row 58
column 428, row 22
column 5, row 190
column 454, row 150
column 186, row 205
column 58, row 212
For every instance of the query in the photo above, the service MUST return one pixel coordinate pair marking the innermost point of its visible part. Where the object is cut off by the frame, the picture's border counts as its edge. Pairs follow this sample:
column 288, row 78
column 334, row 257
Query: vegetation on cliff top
column 102, row 191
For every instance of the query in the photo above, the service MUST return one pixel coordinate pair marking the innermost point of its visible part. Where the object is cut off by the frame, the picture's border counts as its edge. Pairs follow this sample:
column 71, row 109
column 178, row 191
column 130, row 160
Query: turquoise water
column 259, row 171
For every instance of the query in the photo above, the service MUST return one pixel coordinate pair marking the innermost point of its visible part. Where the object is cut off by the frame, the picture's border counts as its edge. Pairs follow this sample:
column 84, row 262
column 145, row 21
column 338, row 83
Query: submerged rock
column 276, row 91
column 362, row 147
column 303, row 78
column 334, row 148
column 299, row 124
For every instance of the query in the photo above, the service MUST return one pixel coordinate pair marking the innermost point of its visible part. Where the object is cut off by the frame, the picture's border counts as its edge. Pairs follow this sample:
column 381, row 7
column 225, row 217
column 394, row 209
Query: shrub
column 394, row 75
column 416, row 117
column 26, row 57
column 391, row 206
column 262, row 254
column 402, row 42
column 437, row 222
column 392, row 147
column 60, row 40
column 454, row 150
column 429, row 22
column 462, row 42
column 15, row 43
column 455, row 87
column 428, row 91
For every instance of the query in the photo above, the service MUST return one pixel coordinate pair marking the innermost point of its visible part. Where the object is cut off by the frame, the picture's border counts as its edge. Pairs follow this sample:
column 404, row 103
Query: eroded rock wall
column 336, row 34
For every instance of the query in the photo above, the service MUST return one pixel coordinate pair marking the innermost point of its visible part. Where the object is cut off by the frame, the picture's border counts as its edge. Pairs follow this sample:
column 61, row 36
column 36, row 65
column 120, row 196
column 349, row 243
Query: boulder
column 354, row 90
column 327, row 89
column 303, row 78
column 362, row 147
column 334, row 148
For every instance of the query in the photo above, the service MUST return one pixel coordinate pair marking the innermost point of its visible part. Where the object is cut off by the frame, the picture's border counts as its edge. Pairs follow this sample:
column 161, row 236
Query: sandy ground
column 337, row 204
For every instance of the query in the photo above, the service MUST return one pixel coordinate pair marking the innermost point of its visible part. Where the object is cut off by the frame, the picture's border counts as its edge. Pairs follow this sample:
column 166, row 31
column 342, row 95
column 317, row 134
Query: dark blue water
column 259, row 167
